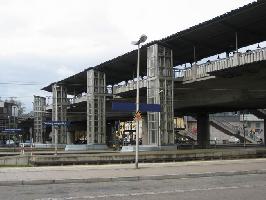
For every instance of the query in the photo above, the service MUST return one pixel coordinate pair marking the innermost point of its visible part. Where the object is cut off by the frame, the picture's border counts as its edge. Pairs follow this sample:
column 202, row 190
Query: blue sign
column 131, row 107
column 13, row 130
column 56, row 123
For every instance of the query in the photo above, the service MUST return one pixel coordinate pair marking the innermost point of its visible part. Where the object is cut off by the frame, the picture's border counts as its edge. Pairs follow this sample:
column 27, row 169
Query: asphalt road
column 251, row 186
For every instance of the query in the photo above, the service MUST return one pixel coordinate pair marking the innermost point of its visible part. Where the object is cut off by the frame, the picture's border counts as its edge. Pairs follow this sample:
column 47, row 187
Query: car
column 10, row 142
column 233, row 140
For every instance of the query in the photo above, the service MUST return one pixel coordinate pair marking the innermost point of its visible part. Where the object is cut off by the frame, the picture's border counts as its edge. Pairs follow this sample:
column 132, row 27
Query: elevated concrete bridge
column 204, row 71
column 233, row 83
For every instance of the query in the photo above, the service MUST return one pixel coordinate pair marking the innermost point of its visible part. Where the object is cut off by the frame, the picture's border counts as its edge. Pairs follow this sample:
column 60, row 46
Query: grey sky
column 43, row 41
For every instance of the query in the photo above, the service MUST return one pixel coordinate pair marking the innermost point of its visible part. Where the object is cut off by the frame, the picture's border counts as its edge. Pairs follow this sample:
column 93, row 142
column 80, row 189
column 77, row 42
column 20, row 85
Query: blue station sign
column 56, row 123
column 131, row 107
column 12, row 130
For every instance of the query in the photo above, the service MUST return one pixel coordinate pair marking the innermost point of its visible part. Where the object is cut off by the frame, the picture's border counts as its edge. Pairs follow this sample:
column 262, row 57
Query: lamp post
column 56, row 119
column 142, row 39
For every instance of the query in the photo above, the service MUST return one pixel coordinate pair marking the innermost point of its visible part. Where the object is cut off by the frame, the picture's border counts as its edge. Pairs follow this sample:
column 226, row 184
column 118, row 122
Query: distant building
column 8, row 115
column 8, row 118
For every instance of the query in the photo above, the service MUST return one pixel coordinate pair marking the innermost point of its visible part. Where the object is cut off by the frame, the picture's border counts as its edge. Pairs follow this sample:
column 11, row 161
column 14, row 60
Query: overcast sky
column 43, row 41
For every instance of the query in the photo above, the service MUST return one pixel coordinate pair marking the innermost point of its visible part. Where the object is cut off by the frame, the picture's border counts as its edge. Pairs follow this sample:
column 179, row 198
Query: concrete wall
column 14, row 160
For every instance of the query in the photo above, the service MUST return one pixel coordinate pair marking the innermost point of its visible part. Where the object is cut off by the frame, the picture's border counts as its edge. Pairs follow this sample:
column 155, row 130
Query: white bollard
column 22, row 149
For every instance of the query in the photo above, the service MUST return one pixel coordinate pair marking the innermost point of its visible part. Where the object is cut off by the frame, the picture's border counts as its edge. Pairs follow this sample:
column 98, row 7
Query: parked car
column 233, row 140
column 10, row 142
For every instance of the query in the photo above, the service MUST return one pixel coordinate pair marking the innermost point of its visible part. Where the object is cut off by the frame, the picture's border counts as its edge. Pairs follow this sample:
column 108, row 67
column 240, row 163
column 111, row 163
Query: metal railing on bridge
column 200, row 71
column 238, row 59
column 130, row 85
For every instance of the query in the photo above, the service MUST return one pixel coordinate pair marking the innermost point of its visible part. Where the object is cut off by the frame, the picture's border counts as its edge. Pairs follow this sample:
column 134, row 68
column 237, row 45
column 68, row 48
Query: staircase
column 188, row 134
column 229, row 129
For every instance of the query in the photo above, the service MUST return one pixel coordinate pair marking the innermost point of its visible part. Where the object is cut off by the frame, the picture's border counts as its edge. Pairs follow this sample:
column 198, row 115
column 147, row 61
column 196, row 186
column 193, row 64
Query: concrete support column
column 39, row 104
column 264, row 130
column 110, row 133
column 96, row 120
column 160, row 91
column 70, row 137
column 203, row 130
column 144, row 130
column 60, row 103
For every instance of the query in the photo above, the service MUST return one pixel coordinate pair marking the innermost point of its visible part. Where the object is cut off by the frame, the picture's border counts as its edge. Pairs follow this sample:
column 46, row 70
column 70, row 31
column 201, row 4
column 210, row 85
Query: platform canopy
column 209, row 38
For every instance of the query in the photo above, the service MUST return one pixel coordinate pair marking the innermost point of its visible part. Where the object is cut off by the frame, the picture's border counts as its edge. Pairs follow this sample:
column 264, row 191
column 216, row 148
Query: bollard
column 31, row 149
column 22, row 149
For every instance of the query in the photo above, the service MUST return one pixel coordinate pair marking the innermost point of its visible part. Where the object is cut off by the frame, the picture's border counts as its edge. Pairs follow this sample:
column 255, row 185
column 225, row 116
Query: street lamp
column 142, row 39
column 56, row 119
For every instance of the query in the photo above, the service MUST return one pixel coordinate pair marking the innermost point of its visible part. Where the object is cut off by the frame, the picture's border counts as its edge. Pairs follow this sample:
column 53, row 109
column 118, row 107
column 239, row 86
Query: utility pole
column 56, row 119
column 142, row 39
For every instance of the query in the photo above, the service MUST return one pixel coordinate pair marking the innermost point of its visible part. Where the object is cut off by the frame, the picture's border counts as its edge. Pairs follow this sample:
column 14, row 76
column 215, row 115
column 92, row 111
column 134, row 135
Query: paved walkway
column 118, row 172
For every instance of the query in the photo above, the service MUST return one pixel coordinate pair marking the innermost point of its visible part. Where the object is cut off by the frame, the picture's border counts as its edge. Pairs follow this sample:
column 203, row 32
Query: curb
column 130, row 178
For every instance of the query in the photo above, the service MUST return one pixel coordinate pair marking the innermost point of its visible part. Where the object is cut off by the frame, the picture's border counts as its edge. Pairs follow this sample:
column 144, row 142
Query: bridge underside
column 232, row 89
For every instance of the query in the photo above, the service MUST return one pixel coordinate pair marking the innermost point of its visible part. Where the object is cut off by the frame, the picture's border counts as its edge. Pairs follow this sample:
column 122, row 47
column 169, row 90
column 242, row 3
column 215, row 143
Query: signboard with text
column 56, row 123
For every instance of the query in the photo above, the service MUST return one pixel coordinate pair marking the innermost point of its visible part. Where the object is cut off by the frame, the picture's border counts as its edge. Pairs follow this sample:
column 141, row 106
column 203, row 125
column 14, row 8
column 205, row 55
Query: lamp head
column 142, row 39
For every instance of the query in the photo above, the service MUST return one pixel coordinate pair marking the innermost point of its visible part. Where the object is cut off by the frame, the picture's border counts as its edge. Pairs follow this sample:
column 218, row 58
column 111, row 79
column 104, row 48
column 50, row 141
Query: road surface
column 236, row 187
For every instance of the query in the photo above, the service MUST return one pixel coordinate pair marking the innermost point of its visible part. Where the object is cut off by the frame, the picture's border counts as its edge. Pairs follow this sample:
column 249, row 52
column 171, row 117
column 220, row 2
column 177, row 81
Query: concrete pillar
column 144, row 130
column 39, row 104
column 264, row 130
column 203, row 130
column 160, row 91
column 96, row 120
column 60, row 100
column 110, row 133
column 70, row 137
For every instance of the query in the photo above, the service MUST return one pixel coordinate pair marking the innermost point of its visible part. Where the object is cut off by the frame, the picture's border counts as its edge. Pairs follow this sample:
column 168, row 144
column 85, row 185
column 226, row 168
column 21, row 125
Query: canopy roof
column 209, row 38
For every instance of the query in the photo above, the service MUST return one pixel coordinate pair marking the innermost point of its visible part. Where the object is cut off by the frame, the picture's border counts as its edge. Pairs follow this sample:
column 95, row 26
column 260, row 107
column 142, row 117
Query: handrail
column 237, row 59
column 130, row 85
column 188, row 133
column 202, row 70
column 235, row 130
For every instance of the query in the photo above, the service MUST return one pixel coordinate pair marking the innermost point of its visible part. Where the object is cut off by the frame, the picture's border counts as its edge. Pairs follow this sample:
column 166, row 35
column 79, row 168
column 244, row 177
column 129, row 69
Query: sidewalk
column 127, row 172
